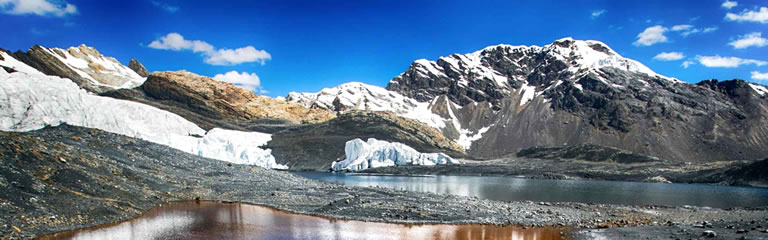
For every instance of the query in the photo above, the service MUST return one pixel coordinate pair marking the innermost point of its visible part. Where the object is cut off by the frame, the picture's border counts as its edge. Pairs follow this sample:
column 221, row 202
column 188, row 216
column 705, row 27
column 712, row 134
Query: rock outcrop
column 315, row 146
column 220, row 100
column 137, row 67
column 84, row 65
column 586, row 152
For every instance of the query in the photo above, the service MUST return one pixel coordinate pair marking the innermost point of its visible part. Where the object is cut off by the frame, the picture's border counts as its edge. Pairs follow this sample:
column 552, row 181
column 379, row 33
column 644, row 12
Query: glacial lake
column 548, row 190
column 213, row 220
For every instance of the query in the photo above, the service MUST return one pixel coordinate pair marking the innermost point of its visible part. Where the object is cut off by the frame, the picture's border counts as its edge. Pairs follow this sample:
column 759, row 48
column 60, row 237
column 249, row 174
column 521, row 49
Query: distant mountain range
column 503, row 98
column 492, row 103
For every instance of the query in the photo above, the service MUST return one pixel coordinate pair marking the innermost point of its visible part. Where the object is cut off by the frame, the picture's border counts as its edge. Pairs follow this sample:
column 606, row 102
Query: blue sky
column 308, row 45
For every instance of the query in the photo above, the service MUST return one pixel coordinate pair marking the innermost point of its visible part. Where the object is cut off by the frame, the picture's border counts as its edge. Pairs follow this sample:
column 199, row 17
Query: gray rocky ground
column 68, row 177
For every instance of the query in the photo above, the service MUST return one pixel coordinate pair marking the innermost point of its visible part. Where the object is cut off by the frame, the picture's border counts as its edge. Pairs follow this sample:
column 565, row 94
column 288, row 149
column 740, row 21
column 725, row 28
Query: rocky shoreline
column 734, row 173
column 67, row 177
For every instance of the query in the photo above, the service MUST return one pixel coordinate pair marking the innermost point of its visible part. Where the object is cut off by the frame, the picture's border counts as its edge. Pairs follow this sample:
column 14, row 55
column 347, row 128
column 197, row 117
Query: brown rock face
column 225, row 100
column 137, row 67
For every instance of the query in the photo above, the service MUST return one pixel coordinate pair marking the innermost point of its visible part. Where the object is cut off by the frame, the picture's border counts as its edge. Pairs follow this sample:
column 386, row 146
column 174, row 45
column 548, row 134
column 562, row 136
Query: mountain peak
column 496, row 71
column 82, row 64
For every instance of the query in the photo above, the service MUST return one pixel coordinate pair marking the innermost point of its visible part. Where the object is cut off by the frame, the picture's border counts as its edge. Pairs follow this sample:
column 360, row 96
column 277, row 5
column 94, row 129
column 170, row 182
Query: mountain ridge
column 504, row 98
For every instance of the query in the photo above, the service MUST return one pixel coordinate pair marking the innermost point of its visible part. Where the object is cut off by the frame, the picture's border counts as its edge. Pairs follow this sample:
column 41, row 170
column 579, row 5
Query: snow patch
column 11, row 62
column 31, row 102
column 762, row 90
column 429, row 67
column 465, row 140
column 528, row 93
column 374, row 153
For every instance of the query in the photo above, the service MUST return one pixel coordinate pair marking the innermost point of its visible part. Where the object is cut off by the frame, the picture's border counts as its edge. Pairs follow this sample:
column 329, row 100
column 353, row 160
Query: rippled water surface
column 584, row 191
column 211, row 220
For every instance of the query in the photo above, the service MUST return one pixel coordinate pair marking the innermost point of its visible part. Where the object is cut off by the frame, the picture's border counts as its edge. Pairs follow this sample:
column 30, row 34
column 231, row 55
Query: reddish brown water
column 211, row 220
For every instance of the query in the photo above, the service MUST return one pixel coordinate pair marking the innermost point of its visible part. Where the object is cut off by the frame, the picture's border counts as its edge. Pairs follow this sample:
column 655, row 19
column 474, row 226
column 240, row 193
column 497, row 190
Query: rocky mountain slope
column 501, row 99
column 225, row 99
column 316, row 146
column 84, row 65
column 210, row 103
column 137, row 67
column 357, row 96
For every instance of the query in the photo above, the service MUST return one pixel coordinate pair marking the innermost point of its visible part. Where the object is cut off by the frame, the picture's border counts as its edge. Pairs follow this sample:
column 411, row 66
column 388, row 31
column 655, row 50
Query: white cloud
column 687, row 29
column 37, row 7
column 238, row 56
column 245, row 80
column 165, row 6
column 669, row 56
column 651, row 35
column 709, row 29
column 754, row 39
column 729, row 4
column 688, row 63
column 213, row 56
column 597, row 13
column 681, row 27
column 749, row 16
column 727, row 62
column 759, row 76
column 176, row 42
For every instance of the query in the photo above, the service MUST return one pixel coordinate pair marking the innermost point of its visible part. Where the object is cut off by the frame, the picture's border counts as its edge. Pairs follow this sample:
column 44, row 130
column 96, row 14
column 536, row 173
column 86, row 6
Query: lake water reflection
column 548, row 190
column 211, row 220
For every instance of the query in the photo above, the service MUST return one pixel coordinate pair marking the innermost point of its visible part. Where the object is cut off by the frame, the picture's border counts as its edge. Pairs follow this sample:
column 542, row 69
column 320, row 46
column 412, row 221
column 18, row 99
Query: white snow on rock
column 376, row 153
column 466, row 138
column 762, row 90
column 99, row 69
column 591, row 54
column 11, row 62
column 580, row 56
column 29, row 102
column 528, row 93
column 361, row 96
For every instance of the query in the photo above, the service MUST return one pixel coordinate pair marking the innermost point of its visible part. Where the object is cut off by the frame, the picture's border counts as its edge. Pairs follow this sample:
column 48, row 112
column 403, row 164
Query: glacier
column 31, row 101
column 375, row 153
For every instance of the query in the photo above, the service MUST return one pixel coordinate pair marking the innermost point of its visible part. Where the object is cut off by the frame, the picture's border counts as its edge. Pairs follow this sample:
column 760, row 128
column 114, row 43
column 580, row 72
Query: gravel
column 68, row 177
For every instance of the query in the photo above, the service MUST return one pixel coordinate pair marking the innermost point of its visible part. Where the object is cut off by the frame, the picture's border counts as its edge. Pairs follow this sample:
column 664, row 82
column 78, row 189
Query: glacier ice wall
column 34, row 101
column 374, row 153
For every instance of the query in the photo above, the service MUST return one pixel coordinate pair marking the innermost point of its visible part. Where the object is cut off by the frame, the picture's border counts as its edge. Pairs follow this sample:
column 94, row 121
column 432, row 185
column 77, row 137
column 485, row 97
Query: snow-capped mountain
column 32, row 101
column 361, row 96
column 83, row 64
column 496, row 72
column 504, row 98
column 375, row 153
